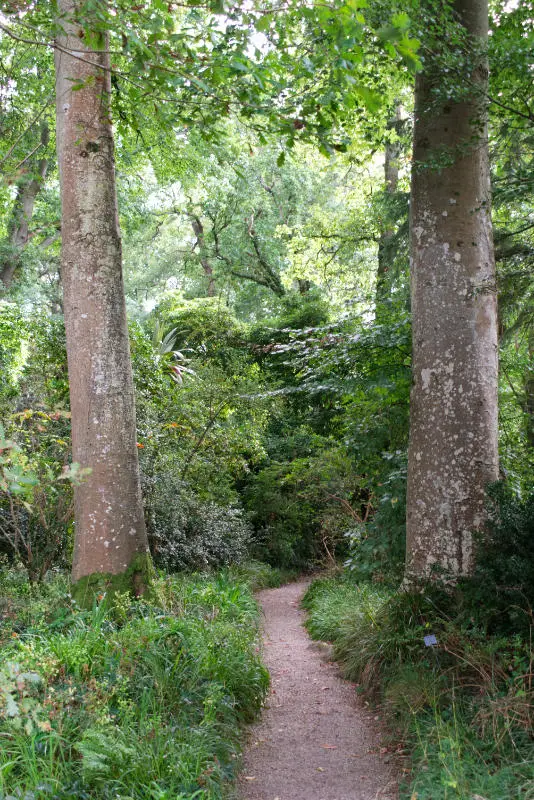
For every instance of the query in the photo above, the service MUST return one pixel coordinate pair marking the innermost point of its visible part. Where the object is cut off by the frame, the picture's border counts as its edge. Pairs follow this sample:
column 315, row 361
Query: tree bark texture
column 198, row 230
column 391, row 180
column 110, row 532
column 19, row 227
column 453, row 417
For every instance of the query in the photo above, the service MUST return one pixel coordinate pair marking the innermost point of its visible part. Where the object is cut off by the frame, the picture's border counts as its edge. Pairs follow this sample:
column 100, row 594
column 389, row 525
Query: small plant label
column 430, row 640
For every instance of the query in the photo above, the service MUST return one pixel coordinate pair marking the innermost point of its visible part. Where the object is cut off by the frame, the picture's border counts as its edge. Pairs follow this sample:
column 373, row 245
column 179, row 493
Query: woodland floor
column 316, row 740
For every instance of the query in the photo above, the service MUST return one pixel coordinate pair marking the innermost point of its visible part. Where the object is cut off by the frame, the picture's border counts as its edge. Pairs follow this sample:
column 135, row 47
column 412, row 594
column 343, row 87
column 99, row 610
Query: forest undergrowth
column 463, row 709
column 452, row 671
column 143, row 701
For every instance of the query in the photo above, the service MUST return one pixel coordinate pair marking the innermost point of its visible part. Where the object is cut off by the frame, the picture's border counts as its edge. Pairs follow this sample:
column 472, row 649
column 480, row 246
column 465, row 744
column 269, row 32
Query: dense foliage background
column 272, row 373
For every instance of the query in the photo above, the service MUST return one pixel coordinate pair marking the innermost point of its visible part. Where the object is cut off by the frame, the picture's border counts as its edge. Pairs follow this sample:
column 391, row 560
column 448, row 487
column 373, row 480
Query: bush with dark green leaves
column 36, row 499
column 346, row 385
column 500, row 594
column 301, row 508
column 376, row 549
column 198, row 436
column 204, row 328
column 185, row 532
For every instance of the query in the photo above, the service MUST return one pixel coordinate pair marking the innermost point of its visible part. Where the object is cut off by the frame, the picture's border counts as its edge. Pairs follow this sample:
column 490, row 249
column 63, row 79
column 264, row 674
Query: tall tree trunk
column 19, row 227
column 110, row 546
column 391, row 181
column 453, row 417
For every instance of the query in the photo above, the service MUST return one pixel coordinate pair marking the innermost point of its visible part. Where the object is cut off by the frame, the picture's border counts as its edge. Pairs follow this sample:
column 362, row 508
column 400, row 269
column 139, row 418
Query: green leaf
column 389, row 33
column 401, row 20
column 263, row 23
column 28, row 480
column 239, row 66
column 372, row 100
column 201, row 84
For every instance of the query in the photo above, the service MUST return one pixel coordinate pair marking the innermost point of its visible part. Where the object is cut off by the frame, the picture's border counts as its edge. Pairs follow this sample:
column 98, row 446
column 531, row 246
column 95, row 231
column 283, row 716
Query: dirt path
column 316, row 739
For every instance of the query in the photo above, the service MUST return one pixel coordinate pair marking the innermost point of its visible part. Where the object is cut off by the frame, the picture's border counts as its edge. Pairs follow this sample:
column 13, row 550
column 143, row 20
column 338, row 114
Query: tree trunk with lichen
column 453, row 417
column 391, row 182
column 19, row 227
column 110, row 547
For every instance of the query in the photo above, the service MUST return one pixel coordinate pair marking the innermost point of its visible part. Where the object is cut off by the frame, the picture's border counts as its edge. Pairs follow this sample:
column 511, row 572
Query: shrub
column 203, row 327
column 195, row 440
column 500, row 594
column 301, row 508
column 43, row 383
column 377, row 548
column 36, row 505
column 186, row 532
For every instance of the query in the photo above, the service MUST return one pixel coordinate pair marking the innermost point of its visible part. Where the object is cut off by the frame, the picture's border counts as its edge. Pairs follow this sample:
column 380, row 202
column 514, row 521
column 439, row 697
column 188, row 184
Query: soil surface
column 317, row 740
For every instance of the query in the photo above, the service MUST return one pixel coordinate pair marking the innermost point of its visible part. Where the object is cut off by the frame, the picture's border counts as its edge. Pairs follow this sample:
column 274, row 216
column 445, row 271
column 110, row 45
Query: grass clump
column 337, row 604
column 465, row 706
column 141, row 701
column 259, row 575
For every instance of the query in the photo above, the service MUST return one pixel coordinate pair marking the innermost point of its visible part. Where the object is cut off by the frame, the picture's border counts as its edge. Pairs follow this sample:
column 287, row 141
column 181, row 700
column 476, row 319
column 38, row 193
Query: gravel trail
column 316, row 739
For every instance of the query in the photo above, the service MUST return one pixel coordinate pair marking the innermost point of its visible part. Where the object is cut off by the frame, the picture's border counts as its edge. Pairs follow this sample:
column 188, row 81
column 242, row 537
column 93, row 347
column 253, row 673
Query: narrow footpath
column 316, row 739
